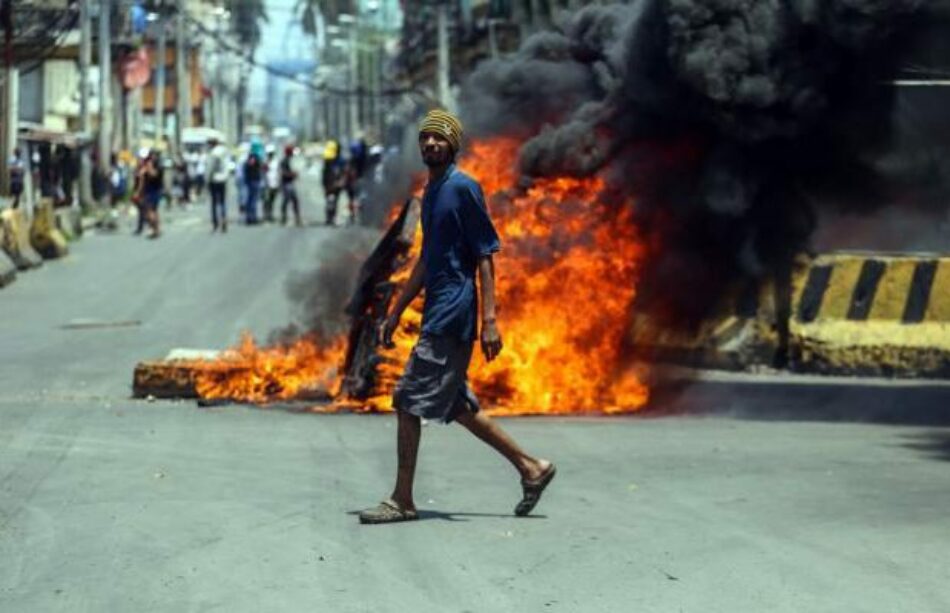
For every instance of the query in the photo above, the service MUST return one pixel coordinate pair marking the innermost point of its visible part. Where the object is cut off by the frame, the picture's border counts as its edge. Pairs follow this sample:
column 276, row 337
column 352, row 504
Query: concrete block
column 7, row 269
column 872, row 314
column 69, row 222
column 16, row 240
column 48, row 241
column 741, row 335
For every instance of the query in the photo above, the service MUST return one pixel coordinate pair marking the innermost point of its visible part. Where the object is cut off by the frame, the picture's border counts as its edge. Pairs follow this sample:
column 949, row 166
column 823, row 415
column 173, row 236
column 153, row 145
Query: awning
column 36, row 133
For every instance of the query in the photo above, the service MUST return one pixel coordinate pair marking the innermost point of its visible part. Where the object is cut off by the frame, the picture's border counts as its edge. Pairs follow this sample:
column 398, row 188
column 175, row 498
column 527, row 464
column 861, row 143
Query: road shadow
column 935, row 444
column 462, row 516
column 812, row 399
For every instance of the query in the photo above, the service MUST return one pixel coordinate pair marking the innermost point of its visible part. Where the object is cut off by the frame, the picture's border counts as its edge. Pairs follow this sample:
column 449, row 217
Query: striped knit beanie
column 445, row 124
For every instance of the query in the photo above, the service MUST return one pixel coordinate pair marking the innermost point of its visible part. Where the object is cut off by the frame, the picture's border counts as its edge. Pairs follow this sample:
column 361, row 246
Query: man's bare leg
column 408, row 433
column 483, row 427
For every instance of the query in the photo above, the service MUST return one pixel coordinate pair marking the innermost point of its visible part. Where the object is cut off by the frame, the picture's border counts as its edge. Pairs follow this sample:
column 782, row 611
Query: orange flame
column 566, row 280
column 253, row 374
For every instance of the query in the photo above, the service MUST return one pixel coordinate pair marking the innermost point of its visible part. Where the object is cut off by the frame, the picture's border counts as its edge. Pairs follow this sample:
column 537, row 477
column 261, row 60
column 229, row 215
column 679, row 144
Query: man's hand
column 384, row 334
column 491, row 340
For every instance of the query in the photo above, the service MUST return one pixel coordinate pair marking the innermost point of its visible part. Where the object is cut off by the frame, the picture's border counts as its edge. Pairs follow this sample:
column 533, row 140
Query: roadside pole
column 354, row 79
column 8, row 97
column 442, row 71
column 85, row 119
column 181, row 76
column 105, row 97
column 161, row 53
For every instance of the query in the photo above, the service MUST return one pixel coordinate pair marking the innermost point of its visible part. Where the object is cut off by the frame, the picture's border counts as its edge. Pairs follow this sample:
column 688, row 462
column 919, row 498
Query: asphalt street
column 114, row 504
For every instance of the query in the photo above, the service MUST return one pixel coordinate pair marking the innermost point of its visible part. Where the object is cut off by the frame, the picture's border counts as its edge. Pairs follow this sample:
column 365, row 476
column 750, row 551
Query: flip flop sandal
column 387, row 512
column 532, row 491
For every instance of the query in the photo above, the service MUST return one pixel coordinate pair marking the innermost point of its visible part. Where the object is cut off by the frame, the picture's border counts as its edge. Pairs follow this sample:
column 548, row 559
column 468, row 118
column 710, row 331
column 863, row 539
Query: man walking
column 334, row 174
column 458, row 239
column 217, row 182
column 288, row 187
column 253, row 175
column 272, row 177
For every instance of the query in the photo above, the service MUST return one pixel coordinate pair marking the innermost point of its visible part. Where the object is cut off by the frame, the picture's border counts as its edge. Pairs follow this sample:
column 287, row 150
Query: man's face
column 435, row 149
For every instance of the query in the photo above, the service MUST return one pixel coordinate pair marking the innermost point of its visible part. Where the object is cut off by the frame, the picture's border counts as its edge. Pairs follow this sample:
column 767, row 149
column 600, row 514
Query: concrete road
column 111, row 504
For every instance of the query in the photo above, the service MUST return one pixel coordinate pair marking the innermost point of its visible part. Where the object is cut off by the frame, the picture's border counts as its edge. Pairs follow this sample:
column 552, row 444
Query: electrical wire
column 70, row 18
column 249, row 59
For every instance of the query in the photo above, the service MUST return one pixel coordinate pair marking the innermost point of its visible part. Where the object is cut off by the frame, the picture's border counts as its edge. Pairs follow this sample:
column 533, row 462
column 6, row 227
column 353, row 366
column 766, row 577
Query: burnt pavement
column 114, row 504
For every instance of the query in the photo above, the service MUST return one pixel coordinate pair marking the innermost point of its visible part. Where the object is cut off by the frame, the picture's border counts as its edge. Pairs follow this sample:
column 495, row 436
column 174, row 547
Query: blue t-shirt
column 456, row 232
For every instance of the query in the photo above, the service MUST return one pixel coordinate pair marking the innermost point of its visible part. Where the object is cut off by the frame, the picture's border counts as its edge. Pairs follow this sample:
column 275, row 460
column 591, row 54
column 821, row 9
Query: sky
column 281, row 39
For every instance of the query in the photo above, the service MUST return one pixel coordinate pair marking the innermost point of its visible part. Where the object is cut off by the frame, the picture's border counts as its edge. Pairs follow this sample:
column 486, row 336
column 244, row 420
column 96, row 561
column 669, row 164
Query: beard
column 434, row 159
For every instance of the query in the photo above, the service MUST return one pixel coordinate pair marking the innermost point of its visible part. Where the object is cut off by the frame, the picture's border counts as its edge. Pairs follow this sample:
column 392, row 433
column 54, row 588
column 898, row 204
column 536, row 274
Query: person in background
column 17, row 171
column 288, row 180
column 217, row 184
column 355, row 169
column 334, row 178
column 239, row 180
column 253, row 177
column 118, row 180
column 138, row 190
column 272, row 173
column 201, row 170
column 189, row 163
column 152, row 186
column 180, row 182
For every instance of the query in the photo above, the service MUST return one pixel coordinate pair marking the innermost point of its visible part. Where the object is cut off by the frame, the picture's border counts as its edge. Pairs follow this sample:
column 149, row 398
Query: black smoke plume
column 731, row 122
column 319, row 295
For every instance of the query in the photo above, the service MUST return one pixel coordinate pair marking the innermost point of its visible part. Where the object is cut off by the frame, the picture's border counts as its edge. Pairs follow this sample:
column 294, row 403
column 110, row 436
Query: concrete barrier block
column 872, row 314
column 16, row 240
column 69, row 222
column 44, row 236
column 741, row 335
column 7, row 269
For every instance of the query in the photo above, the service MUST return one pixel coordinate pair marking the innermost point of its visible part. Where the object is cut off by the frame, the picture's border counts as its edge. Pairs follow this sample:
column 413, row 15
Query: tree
column 246, row 18
column 309, row 10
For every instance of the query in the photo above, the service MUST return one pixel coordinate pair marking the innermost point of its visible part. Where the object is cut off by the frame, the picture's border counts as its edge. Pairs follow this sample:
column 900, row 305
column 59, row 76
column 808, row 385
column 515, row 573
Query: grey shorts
column 434, row 384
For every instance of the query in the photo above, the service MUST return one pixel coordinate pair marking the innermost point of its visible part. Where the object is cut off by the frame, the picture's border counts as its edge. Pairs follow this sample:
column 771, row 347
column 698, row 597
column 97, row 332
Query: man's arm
column 409, row 292
column 491, row 338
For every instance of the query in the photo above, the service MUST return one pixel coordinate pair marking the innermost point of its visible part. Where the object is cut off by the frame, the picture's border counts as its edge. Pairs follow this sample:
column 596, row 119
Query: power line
column 249, row 59
column 59, row 39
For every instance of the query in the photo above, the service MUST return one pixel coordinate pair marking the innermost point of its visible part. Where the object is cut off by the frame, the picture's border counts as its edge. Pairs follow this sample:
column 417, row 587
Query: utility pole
column 354, row 78
column 105, row 94
column 162, row 53
column 85, row 119
column 380, row 104
column 492, row 38
column 442, row 71
column 181, row 75
column 8, row 97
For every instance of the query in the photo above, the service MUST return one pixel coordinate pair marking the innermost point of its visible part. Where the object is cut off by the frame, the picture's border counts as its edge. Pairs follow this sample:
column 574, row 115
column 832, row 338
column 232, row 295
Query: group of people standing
column 343, row 175
column 263, row 177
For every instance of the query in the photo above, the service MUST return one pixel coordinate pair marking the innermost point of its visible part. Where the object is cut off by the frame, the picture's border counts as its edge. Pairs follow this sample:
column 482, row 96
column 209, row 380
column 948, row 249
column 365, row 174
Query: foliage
column 246, row 18
column 309, row 10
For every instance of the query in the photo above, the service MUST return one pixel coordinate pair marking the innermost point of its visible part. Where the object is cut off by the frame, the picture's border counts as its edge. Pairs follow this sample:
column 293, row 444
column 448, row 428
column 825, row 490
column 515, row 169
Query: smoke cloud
column 732, row 122
column 319, row 296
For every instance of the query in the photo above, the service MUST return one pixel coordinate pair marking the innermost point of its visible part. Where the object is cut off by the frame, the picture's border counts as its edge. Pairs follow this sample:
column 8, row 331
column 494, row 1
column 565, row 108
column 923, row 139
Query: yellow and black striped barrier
column 872, row 314
column 16, row 239
column 7, row 265
column 45, row 237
